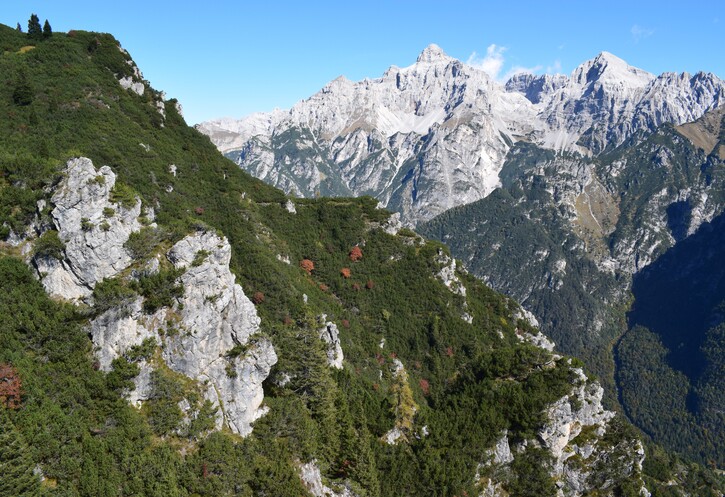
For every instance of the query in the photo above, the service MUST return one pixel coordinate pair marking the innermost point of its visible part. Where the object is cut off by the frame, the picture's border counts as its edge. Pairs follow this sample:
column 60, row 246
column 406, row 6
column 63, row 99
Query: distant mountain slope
column 674, row 348
column 434, row 135
column 567, row 236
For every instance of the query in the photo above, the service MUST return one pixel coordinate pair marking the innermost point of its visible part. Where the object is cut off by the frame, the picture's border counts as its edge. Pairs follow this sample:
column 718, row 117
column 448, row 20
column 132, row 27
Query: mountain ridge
column 435, row 134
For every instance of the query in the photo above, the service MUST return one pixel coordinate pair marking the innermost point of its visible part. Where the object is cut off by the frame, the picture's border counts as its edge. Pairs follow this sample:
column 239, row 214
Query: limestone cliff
column 207, row 334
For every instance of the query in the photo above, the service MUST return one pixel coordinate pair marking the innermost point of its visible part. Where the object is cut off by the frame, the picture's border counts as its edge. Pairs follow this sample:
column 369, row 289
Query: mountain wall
column 434, row 135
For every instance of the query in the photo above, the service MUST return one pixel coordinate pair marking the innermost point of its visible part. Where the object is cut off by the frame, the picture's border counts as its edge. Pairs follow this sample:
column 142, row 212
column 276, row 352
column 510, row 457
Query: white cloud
column 639, row 32
column 554, row 68
column 492, row 63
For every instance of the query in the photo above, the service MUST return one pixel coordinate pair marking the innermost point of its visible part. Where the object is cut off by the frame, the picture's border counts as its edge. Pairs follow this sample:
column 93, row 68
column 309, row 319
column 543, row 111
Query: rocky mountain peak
column 435, row 134
column 431, row 54
column 606, row 67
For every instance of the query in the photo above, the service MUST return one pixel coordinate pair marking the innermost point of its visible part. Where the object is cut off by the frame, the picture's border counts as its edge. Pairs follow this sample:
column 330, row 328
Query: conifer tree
column 47, row 31
column 35, row 32
column 16, row 465
column 18, row 28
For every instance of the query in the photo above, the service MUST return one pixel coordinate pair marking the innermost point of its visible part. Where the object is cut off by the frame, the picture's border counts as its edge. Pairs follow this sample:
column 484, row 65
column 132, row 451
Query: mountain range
column 435, row 135
column 557, row 190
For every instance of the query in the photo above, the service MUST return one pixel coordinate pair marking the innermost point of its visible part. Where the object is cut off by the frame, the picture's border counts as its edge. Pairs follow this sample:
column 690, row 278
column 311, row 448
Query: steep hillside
column 591, row 227
column 434, row 135
column 170, row 326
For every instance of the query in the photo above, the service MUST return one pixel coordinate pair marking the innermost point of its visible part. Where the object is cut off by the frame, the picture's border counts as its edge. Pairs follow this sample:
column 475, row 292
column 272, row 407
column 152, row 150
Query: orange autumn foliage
column 356, row 253
column 307, row 265
column 11, row 388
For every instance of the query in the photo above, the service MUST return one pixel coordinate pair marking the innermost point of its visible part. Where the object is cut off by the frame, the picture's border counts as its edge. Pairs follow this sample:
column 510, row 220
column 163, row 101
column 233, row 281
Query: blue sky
column 231, row 58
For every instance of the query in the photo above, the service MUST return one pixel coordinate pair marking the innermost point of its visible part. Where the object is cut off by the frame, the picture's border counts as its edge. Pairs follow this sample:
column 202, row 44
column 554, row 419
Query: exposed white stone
column 393, row 224
column 501, row 453
column 568, row 417
column 330, row 335
column 142, row 385
column 398, row 368
column 93, row 241
column 538, row 339
column 161, row 107
column 290, row 206
column 117, row 330
column 528, row 316
column 447, row 274
column 393, row 436
column 128, row 83
column 215, row 316
column 312, row 479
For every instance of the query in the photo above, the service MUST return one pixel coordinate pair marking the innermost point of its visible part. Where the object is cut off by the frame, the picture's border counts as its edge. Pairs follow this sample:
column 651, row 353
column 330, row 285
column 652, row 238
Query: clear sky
column 231, row 58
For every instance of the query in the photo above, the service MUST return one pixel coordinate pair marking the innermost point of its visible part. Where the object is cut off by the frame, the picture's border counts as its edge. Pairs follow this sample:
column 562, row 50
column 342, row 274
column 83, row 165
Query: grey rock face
column 93, row 240
column 330, row 335
column 312, row 479
column 128, row 83
column 581, row 408
column 574, row 436
column 434, row 135
column 215, row 317
column 212, row 317
column 564, row 436
column 117, row 330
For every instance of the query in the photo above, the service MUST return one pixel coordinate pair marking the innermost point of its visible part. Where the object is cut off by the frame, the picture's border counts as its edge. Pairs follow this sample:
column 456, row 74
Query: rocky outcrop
column 93, row 229
column 128, row 83
column 447, row 275
column 312, row 479
column 331, row 336
column 214, row 317
column 582, row 457
column 575, row 437
column 207, row 334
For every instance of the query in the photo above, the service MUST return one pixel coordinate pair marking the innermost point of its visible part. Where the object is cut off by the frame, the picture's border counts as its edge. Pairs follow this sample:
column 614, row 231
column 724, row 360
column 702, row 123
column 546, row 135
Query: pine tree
column 35, row 32
column 47, row 31
column 16, row 465
column 19, row 28
column 23, row 92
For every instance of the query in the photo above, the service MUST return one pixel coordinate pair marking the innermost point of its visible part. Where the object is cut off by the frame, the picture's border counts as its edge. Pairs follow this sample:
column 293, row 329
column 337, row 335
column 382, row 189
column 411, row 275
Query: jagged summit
column 432, row 53
column 435, row 134
column 608, row 67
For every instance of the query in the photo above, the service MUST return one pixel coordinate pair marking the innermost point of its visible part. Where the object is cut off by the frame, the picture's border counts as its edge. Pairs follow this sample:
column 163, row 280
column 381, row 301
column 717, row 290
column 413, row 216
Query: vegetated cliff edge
column 593, row 227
